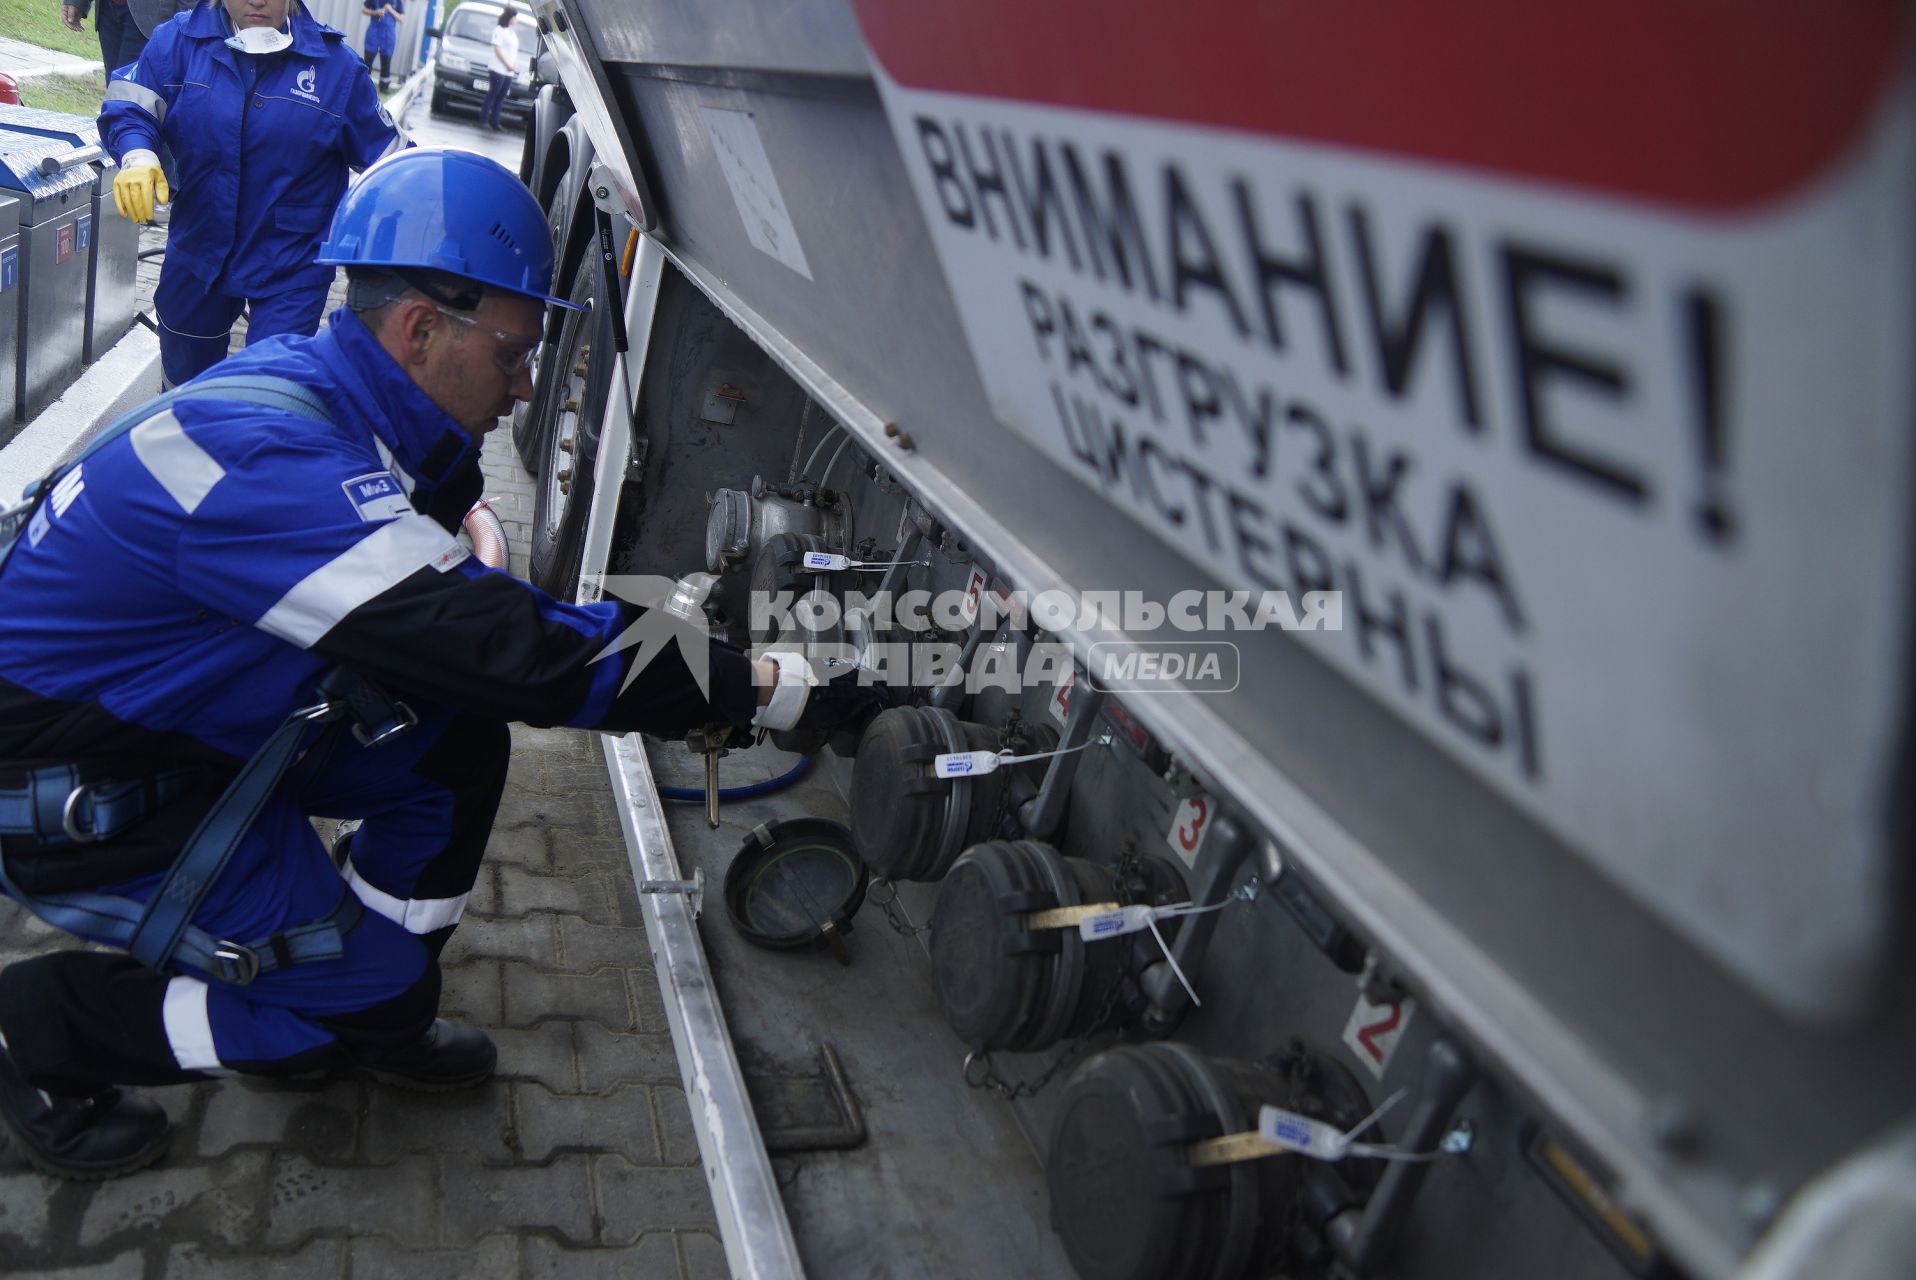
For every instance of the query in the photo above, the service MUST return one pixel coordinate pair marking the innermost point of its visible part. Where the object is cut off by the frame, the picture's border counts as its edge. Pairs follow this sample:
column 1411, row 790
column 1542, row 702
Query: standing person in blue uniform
column 382, row 28
column 504, row 65
column 124, row 26
column 194, row 581
column 266, row 111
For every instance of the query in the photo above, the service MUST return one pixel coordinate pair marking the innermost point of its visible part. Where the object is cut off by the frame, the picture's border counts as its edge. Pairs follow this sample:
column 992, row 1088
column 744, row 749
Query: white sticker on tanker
column 1059, row 704
column 974, row 587
column 1612, row 479
column 748, row 172
column 1373, row 1031
column 1188, row 825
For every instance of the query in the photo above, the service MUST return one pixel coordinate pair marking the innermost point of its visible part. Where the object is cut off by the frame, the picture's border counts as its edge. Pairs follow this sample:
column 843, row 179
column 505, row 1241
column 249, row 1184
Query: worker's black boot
column 101, row 1136
column 448, row 1056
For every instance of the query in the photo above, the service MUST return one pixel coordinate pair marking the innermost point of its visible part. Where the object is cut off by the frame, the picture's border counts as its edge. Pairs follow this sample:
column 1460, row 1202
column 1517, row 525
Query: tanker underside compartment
column 1003, row 1093
column 1540, row 915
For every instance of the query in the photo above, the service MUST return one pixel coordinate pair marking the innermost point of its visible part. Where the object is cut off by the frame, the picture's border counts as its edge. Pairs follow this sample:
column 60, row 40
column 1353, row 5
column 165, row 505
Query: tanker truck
column 1382, row 535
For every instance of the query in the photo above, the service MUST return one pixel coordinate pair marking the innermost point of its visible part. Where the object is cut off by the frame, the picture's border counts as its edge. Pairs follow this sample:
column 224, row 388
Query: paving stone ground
column 576, row 1161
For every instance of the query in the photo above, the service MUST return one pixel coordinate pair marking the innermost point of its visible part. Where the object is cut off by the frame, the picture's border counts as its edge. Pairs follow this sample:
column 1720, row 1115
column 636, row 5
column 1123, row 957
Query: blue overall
column 189, row 585
column 263, row 146
column 381, row 31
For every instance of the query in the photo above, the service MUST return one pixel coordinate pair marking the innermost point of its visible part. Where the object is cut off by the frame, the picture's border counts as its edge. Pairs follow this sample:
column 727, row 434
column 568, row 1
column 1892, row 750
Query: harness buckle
column 70, row 813
column 318, row 711
column 238, row 964
column 403, row 720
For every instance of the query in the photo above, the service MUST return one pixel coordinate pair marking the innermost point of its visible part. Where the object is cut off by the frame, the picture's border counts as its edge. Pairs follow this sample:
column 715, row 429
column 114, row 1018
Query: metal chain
column 1129, row 871
column 991, row 1082
column 1010, row 1091
column 894, row 914
column 1008, row 734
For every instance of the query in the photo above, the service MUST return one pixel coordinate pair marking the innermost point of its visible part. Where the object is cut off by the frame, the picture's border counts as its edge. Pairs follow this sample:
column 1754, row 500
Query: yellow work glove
column 139, row 186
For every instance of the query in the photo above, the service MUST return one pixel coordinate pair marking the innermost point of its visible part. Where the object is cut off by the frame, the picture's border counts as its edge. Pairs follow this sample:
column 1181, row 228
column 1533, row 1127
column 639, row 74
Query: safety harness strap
column 161, row 932
column 179, row 897
column 57, row 804
column 101, row 915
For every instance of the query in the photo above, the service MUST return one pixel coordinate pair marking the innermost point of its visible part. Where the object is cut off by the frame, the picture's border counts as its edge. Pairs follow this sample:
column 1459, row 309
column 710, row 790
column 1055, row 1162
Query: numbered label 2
column 1374, row 1031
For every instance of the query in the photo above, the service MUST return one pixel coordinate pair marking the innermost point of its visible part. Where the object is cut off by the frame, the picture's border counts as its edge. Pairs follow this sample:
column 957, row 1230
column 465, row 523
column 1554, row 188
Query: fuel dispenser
column 112, row 243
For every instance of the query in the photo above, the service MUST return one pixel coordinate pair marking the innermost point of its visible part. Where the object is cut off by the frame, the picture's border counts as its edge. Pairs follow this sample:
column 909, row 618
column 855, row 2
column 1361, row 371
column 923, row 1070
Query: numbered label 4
column 1374, row 1031
column 1061, row 697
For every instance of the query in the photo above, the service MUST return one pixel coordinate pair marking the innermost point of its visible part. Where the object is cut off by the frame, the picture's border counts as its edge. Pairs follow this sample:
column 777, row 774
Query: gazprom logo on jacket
column 306, row 82
column 377, row 496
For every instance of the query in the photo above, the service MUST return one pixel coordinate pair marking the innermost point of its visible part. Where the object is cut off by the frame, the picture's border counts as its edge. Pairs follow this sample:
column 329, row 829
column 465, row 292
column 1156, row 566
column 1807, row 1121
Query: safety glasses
column 512, row 352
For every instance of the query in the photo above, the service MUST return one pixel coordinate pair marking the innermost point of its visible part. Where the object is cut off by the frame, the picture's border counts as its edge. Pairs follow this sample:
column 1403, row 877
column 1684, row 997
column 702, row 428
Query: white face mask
column 258, row 40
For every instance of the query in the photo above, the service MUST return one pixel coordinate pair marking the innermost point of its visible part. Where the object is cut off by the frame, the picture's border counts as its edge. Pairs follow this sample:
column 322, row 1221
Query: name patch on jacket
column 377, row 496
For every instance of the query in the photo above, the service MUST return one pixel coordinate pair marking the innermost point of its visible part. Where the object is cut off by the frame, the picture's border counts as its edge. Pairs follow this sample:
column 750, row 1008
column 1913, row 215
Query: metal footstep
column 805, row 1111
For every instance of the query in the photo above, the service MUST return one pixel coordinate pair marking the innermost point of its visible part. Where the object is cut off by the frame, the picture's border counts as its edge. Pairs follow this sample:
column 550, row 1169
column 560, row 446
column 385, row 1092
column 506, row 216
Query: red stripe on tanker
column 1693, row 101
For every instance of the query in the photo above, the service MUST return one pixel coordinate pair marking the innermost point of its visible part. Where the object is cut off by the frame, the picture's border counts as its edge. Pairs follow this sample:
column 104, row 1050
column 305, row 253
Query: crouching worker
column 249, row 607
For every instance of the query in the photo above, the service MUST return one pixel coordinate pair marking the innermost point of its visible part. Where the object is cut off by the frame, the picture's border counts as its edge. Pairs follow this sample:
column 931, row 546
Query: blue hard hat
column 445, row 210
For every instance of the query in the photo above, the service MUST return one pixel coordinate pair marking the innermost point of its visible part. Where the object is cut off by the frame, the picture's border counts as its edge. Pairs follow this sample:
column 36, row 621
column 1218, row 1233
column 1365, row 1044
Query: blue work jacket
column 263, row 145
column 195, row 577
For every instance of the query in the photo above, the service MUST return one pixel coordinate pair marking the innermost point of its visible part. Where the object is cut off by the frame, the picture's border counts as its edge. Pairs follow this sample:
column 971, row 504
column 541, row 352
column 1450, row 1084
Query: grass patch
column 38, row 22
column 76, row 95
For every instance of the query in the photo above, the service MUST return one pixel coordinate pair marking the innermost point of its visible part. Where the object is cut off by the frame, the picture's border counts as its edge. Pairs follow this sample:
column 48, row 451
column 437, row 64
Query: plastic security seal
column 826, row 562
column 965, row 764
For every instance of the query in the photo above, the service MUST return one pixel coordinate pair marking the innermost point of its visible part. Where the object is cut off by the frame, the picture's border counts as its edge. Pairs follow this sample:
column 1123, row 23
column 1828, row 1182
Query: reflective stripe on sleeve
column 415, row 915
column 189, row 1033
column 184, row 470
column 383, row 558
column 139, row 95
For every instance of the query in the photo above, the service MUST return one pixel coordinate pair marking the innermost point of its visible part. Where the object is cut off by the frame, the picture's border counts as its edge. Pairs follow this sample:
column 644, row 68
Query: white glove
column 789, row 694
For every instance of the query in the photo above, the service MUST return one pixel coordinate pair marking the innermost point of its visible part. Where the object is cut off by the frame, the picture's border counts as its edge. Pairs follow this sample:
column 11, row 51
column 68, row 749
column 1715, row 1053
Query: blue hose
column 749, row 791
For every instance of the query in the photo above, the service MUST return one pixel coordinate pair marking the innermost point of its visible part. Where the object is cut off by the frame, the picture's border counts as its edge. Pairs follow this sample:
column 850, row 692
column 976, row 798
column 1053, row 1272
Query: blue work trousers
column 196, row 320
column 77, row 1020
column 495, row 100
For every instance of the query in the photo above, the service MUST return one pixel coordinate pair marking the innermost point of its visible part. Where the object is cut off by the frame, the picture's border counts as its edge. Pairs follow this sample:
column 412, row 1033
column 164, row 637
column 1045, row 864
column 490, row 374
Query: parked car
column 465, row 52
